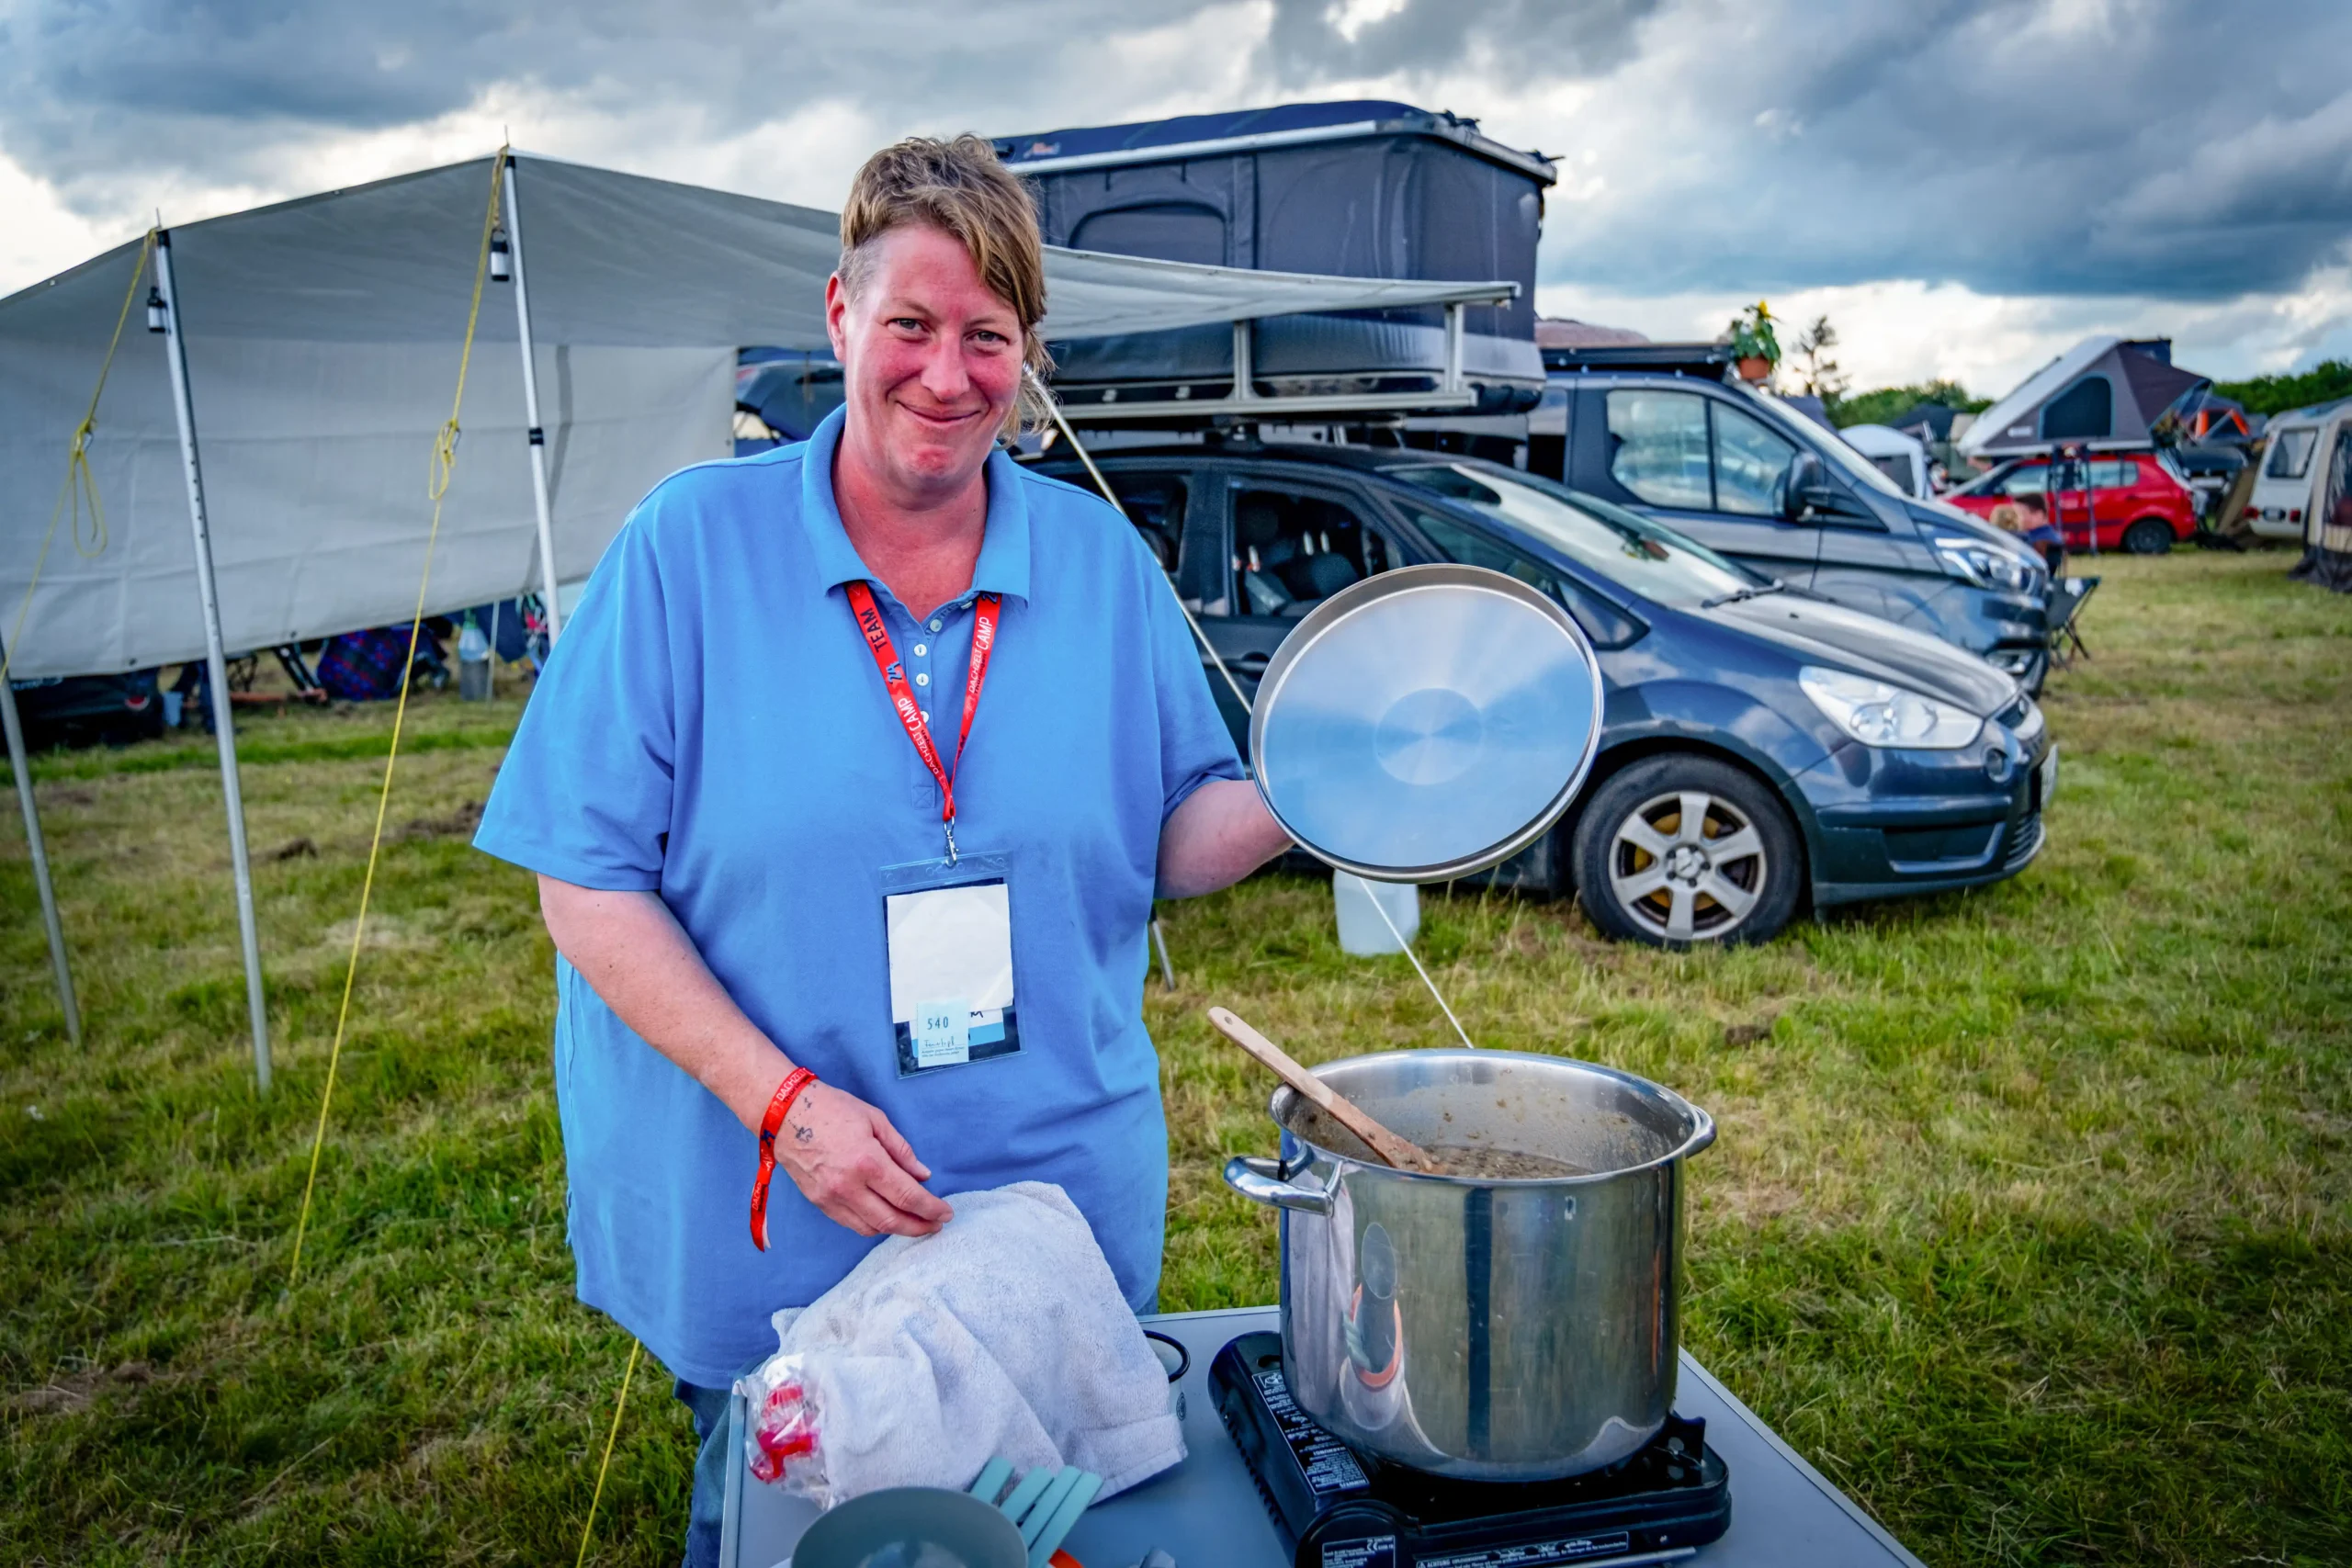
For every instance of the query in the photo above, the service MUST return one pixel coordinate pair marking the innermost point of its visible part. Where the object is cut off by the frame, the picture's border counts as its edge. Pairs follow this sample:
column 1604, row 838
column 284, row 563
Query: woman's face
column 931, row 360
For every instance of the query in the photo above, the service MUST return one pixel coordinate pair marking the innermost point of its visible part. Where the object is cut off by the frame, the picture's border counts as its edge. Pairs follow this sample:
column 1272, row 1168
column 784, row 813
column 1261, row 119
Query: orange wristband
column 779, row 1107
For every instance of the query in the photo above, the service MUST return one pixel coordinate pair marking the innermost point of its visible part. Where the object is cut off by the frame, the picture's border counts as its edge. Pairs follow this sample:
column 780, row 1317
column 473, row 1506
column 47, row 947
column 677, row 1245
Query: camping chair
column 2068, row 596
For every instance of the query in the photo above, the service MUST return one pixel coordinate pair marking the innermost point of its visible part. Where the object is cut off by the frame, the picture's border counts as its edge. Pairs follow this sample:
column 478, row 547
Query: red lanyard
column 903, row 699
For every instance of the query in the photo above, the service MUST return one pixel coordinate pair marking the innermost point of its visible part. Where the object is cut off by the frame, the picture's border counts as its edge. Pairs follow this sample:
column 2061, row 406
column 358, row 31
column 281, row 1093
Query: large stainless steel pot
column 1498, row 1330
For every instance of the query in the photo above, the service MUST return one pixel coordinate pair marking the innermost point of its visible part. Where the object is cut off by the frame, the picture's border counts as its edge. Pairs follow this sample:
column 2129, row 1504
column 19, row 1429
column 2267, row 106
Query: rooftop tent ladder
column 216, row 661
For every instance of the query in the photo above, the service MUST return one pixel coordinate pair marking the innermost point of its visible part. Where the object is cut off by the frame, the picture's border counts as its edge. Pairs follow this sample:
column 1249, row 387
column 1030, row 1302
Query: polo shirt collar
column 1003, row 565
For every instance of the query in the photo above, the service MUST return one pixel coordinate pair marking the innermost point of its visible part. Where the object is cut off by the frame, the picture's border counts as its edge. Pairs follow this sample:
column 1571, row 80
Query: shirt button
column 921, row 648
column 921, row 679
column 936, row 622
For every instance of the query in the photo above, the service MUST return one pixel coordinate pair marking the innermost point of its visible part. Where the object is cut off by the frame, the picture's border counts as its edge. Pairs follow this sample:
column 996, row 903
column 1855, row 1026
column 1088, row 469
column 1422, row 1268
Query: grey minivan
column 1752, row 479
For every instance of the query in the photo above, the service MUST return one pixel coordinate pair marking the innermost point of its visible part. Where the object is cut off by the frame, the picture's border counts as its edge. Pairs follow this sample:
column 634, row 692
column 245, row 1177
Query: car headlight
column 1988, row 565
column 1877, row 714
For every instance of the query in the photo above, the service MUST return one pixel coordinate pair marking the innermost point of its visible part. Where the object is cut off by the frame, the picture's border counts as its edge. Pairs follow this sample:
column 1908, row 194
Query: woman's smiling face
column 931, row 359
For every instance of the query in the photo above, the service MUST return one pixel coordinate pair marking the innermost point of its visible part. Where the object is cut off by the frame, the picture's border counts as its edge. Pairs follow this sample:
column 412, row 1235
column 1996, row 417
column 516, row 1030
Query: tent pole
column 216, row 661
column 22, row 768
column 2090, row 499
column 531, row 408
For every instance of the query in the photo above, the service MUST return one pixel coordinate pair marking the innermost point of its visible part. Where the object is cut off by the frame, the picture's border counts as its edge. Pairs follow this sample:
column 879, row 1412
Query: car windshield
column 1621, row 545
column 1855, row 466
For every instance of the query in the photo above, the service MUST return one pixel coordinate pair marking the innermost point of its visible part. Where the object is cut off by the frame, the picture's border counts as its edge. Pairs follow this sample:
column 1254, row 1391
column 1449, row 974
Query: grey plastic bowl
column 911, row 1527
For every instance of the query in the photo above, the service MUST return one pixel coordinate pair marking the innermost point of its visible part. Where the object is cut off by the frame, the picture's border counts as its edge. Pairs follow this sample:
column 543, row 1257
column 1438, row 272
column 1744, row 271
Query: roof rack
column 1708, row 359
column 1453, row 393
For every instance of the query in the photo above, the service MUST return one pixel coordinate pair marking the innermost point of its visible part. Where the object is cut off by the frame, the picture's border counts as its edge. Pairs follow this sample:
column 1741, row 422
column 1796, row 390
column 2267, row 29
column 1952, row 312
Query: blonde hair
column 958, row 186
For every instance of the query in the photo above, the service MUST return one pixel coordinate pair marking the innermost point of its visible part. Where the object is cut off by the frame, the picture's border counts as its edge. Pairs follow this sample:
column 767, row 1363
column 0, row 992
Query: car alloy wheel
column 1688, row 866
column 2148, row 536
column 1680, row 847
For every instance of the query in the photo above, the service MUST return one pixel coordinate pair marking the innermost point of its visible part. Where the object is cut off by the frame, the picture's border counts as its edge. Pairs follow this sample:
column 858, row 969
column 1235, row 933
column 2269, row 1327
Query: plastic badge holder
column 1426, row 723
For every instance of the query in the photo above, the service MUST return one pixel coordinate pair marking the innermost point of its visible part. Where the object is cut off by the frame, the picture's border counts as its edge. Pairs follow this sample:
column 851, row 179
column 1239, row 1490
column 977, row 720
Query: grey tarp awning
column 323, row 341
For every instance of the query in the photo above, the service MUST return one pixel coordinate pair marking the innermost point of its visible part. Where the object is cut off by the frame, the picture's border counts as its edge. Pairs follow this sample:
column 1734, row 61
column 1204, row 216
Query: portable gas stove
column 1338, row 1508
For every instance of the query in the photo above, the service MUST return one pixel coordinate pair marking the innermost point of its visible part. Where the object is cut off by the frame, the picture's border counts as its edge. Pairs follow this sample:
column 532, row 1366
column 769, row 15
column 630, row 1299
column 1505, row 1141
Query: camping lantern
column 501, row 258
column 158, row 319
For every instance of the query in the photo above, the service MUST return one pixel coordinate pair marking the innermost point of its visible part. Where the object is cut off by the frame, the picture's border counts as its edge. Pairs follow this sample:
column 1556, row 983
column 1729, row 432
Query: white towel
column 1004, row 1334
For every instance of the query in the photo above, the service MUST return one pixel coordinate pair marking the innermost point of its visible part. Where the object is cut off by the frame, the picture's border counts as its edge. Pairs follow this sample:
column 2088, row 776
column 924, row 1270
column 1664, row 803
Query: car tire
column 1642, row 878
column 2148, row 536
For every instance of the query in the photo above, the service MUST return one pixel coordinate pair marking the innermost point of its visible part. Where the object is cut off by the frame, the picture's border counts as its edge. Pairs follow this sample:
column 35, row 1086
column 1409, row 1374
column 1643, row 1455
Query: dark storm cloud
column 2167, row 147
column 218, row 88
column 2172, row 148
column 1517, row 40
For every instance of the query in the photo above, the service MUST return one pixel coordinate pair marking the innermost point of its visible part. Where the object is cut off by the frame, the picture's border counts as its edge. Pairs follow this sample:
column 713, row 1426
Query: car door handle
column 1249, row 664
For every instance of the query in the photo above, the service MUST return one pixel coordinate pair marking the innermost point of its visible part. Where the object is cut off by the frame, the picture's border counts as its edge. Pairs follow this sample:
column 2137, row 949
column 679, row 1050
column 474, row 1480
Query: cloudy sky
column 1965, row 188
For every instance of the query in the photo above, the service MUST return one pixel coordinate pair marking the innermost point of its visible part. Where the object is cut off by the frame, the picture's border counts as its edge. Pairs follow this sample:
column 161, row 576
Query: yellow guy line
column 636, row 1346
column 80, row 481
column 444, row 462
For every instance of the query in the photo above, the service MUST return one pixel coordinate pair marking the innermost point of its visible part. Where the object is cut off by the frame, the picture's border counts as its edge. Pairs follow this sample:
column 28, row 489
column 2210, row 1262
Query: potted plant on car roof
column 1755, row 344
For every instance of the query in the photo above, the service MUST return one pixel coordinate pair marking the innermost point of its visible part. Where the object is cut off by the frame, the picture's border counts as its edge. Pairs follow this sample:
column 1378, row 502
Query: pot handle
column 1262, row 1182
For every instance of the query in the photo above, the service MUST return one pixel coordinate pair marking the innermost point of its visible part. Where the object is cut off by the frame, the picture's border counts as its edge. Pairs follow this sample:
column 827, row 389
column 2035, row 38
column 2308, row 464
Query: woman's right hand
column 852, row 1164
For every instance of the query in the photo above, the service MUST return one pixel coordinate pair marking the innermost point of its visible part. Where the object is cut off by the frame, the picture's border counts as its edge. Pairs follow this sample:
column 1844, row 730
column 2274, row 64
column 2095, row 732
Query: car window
column 1836, row 454
column 1291, row 551
column 2031, row 478
column 1659, row 447
column 1155, row 504
column 1895, row 465
column 1603, row 623
column 2290, row 454
column 1750, row 462
column 1623, row 547
column 2105, row 474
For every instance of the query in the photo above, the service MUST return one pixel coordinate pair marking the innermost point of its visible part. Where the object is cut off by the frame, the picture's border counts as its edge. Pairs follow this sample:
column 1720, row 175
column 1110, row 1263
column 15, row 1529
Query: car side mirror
column 1799, row 485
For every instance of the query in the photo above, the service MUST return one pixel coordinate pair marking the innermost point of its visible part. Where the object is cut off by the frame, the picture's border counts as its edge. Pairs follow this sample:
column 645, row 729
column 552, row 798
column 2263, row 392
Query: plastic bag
column 782, row 1445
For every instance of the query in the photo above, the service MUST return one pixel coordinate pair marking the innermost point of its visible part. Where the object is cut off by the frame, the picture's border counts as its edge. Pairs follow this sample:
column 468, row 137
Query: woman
column 2033, row 525
column 864, row 759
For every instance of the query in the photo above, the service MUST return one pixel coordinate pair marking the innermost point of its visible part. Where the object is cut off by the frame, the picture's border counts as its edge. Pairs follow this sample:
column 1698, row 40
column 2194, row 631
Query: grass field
column 2029, row 1223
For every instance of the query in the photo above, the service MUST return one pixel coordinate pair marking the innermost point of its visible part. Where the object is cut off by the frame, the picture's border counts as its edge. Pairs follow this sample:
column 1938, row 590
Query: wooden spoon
column 1401, row 1152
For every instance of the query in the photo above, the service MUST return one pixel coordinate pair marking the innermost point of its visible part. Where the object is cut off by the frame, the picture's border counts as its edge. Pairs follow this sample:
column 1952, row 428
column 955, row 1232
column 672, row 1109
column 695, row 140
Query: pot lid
column 1426, row 723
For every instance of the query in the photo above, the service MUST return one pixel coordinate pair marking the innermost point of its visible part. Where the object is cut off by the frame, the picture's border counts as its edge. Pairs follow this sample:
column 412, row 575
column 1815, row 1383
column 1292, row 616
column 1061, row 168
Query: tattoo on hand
column 805, row 1135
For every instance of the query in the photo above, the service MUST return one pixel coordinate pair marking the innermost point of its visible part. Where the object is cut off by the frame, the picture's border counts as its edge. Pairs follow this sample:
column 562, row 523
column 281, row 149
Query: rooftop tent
column 2103, row 392
column 323, row 340
column 1363, row 189
column 1925, row 422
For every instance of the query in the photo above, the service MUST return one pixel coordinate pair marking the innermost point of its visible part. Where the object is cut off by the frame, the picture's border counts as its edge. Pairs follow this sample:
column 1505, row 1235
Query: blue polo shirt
column 712, row 728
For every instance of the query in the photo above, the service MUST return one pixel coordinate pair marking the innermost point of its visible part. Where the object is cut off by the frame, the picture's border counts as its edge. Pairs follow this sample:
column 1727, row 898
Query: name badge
column 950, row 938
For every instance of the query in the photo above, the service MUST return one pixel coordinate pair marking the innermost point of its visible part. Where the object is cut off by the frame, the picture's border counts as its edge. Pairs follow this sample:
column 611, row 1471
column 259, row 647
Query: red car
column 2140, row 503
